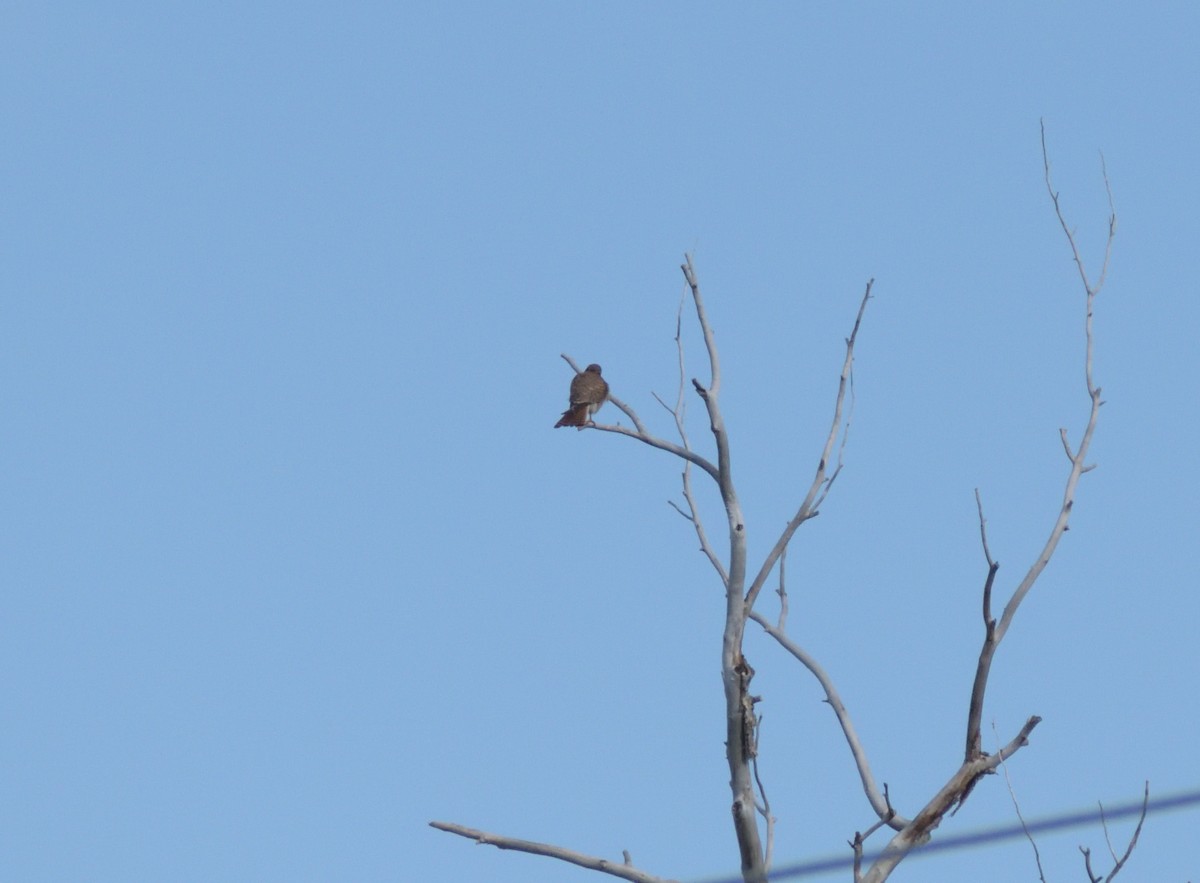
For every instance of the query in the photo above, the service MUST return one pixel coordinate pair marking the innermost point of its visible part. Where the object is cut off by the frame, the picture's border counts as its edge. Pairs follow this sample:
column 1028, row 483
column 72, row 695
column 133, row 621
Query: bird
column 588, row 392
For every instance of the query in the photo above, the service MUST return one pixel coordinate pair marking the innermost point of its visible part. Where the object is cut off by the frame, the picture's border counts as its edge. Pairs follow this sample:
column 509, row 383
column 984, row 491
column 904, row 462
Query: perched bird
column 588, row 392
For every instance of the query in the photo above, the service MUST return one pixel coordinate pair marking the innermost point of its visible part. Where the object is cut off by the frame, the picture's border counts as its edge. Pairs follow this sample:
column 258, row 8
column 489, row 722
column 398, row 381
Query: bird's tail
column 576, row 415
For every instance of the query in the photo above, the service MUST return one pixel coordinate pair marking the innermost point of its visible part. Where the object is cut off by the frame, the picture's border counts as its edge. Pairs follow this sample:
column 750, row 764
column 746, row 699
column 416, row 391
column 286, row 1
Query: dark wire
column 987, row 835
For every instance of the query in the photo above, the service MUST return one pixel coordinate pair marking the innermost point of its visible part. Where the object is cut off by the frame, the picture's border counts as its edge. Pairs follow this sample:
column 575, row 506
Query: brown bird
column 588, row 392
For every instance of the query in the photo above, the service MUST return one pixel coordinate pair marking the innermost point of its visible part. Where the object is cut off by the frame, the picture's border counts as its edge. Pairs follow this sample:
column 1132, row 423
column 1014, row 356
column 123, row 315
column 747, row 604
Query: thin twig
column 860, row 837
column 993, row 566
column 1118, row 863
column 679, row 412
column 1107, row 838
column 841, row 453
column 764, row 808
column 987, row 553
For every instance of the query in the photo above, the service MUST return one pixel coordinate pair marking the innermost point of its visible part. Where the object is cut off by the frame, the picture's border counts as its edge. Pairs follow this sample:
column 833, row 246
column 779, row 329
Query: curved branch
column 879, row 800
column 663, row 445
column 624, row 871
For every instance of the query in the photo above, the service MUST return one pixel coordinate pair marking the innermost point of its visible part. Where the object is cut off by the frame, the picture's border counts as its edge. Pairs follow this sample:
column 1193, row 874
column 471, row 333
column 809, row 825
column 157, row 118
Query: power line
column 986, row 835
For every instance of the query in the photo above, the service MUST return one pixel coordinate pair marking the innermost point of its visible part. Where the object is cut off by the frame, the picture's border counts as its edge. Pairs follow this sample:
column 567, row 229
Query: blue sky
column 295, row 562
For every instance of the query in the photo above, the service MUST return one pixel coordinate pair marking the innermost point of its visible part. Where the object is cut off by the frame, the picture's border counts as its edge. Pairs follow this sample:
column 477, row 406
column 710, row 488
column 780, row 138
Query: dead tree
column 753, row 823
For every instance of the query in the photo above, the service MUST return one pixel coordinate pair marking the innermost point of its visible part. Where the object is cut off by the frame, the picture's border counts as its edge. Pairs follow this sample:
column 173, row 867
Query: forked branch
column 994, row 631
column 976, row 762
column 1118, row 863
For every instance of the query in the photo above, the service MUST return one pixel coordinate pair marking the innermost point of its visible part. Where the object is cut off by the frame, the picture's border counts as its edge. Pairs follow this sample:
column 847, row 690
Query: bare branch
column 994, row 632
column 887, row 819
column 952, row 794
column 661, row 444
column 860, row 837
column 1112, row 223
column 658, row 399
column 623, row 870
column 984, row 666
column 710, row 342
column 680, row 400
column 808, row 508
column 841, row 453
column 1087, row 865
column 987, row 553
column 1112, row 219
column 878, row 800
column 1078, row 458
column 698, row 524
column 1107, row 838
column 675, row 506
column 1062, row 434
column 993, row 566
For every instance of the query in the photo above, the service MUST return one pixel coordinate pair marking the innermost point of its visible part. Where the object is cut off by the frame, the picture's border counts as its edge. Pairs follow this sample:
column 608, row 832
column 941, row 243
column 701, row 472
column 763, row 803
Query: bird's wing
column 588, row 388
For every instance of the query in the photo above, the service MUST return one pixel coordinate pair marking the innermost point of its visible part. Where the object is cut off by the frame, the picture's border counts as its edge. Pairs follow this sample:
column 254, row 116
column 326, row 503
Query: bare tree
column 753, row 823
